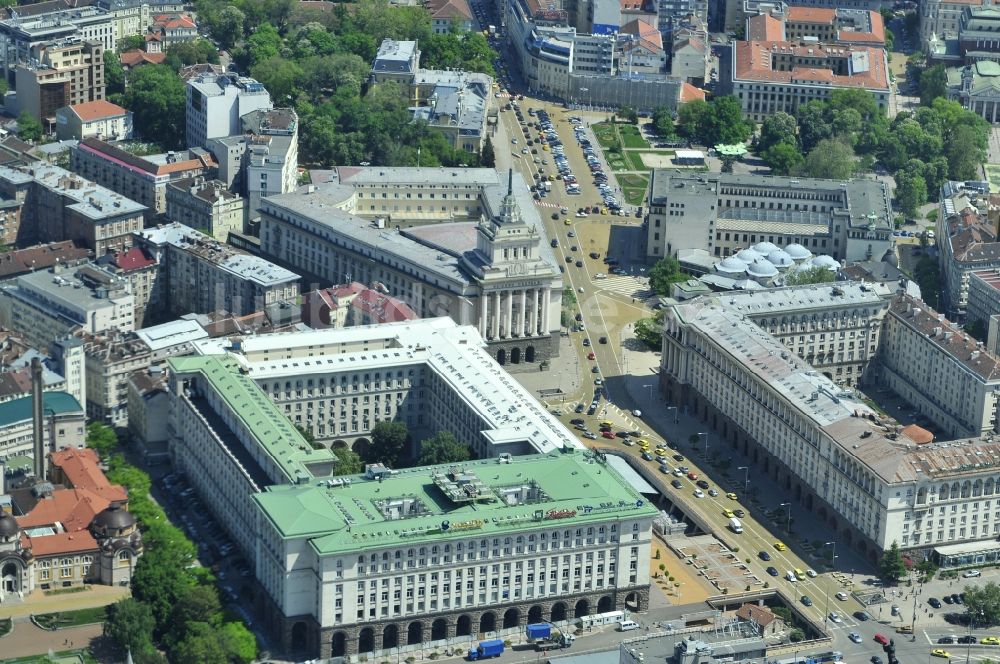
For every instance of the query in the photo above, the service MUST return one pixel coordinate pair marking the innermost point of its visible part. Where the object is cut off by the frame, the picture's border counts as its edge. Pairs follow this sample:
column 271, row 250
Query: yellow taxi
column 729, row 514
column 661, row 450
column 780, row 546
column 643, row 443
column 991, row 641
column 546, row 147
column 940, row 652
column 731, row 496
column 567, row 222
column 799, row 574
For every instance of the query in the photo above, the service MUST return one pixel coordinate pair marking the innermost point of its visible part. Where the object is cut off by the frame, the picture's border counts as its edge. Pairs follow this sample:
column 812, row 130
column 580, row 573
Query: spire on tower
column 510, row 181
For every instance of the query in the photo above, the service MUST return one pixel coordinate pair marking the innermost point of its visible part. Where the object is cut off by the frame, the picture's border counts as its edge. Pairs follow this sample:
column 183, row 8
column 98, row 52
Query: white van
column 790, row 575
column 627, row 625
column 735, row 525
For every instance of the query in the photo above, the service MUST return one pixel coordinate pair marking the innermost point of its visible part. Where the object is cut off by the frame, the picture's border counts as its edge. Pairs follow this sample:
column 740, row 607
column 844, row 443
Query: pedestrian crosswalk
column 637, row 287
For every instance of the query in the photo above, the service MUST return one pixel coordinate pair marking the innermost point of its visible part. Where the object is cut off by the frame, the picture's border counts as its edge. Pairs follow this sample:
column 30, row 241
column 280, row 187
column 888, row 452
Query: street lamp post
column 788, row 523
column 833, row 561
column 705, row 434
column 746, row 480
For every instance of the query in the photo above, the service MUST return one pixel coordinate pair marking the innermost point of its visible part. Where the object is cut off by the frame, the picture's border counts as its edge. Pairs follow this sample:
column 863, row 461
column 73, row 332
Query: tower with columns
column 516, row 299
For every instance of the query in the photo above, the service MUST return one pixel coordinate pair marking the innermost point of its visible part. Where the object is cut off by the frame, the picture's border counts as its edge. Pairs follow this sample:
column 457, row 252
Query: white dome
column 826, row 261
column 780, row 259
column 762, row 269
column 731, row 265
column 764, row 248
column 749, row 256
column 798, row 252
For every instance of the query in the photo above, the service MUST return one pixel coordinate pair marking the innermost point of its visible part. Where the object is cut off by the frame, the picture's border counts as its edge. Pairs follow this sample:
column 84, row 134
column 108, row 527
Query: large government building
column 758, row 367
column 462, row 243
column 723, row 213
column 538, row 529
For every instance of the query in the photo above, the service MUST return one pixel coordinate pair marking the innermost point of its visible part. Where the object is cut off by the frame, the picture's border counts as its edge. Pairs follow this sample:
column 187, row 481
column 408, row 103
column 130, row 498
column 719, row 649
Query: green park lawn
column 993, row 176
column 72, row 618
column 631, row 136
column 633, row 188
column 605, row 133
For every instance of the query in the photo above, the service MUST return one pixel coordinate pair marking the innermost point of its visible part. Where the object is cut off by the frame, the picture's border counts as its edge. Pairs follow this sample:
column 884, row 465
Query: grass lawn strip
column 87, row 616
column 634, row 196
column 631, row 138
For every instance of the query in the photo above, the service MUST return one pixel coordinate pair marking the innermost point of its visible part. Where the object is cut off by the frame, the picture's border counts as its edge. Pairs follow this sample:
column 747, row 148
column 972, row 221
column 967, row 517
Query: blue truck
column 492, row 648
column 545, row 637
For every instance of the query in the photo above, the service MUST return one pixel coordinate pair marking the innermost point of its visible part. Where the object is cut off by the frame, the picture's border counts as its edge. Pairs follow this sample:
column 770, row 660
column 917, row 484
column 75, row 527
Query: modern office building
column 966, row 238
column 984, row 296
column 57, row 205
column 58, row 74
column 490, row 566
column 773, row 76
column 724, row 213
column 479, row 256
column 216, row 103
column 272, row 155
column 199, row 274
column 25, row 32
column 48, row 304
column 871, row 480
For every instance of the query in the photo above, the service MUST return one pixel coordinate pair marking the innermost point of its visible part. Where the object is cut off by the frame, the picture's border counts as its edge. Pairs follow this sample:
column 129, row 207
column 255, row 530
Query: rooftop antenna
column 510, row 181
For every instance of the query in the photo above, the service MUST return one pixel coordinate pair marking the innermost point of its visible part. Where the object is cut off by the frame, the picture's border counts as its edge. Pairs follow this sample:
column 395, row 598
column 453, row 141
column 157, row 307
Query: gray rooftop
column 71, row 293
column 245, row 266
column 865, row 200
column 213, row 85
column 780, row 301
column 394, row 56
column 91, row 200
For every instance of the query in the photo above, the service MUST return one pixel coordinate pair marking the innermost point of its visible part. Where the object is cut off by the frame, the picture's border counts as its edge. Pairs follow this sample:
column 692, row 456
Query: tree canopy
column 156, row 97
column 665, row 272
column 390, row 442
column 811, row 275
column 712, row 123
column 982, row 604
column 28, row 128
column 891, row 566
column 442, row 447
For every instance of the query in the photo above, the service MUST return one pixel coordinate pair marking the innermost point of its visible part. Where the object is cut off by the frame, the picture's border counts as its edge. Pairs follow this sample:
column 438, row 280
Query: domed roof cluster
column 113, row 518
column 8, row 526
column 765, row 261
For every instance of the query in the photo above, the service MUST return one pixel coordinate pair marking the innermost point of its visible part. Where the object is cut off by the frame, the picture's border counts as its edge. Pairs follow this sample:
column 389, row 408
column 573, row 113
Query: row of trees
column 848, row 133
column 391, row 446
column 175, row 607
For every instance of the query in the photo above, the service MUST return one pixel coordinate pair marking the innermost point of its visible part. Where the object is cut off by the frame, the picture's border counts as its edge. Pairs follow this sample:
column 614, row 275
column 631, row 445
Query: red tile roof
column 813, row 62
column 96, row 110
column 82, row 472
column 812, row 15
column 917, row 434
column 765, row 27
column 60, row 543
column 133, row 259
column 137, row 57
column 73, row 508
column 173, row 21
column 39, row 257
column 691, row 93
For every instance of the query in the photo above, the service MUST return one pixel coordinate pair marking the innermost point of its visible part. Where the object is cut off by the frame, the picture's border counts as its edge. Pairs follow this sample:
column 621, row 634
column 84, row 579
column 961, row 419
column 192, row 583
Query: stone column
column 496, row 316
column 522, row 315
column 484, row 304
column 546, row 298
column 509, row 314
column 533, row 320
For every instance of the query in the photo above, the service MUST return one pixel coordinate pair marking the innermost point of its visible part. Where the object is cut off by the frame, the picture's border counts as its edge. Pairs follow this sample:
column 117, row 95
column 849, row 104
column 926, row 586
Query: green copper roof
column 531, row 492
column 262, row 418
column 54, row 403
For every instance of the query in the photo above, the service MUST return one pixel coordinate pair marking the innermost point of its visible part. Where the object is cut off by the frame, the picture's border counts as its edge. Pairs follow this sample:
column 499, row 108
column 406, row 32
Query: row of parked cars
column 213, row 544
column 596, row 169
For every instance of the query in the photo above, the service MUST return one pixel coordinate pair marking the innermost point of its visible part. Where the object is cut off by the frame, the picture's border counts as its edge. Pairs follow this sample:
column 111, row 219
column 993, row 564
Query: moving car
column 835, row 617
column 862, row 616
column 763, row 555
column 971, row 573
column 780, row 546
column 772, row 571
column 854, row 636
column 676, row 484
column 934, row 602
column 940, row 652
column 805, row 600
column 990, row 641
column 842, row 596
column 881, row 639
column 731, row 496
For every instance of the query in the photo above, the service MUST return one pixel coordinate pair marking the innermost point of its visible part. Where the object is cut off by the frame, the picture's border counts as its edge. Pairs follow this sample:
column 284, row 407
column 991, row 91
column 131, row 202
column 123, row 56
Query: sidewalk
column 25, row 639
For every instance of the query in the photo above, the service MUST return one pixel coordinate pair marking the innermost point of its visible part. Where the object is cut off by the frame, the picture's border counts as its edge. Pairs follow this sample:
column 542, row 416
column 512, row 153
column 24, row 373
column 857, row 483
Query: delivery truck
column 735, row 525
column 492, row 648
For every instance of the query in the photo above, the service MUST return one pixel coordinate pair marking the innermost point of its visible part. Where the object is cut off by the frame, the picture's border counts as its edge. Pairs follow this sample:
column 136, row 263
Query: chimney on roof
column 36, row 419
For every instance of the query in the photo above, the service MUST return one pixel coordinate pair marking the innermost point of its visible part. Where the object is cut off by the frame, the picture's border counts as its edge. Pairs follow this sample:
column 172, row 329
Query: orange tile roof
column 81, row 471
column 754, row 62
column 645, row 32
column 60, row 543
column 691, row 93
column 918, row 434
column 173, row 21
column 137, row 57
column 765, row 27
column 95, row 110
column 812, row 15
column 73, row 508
